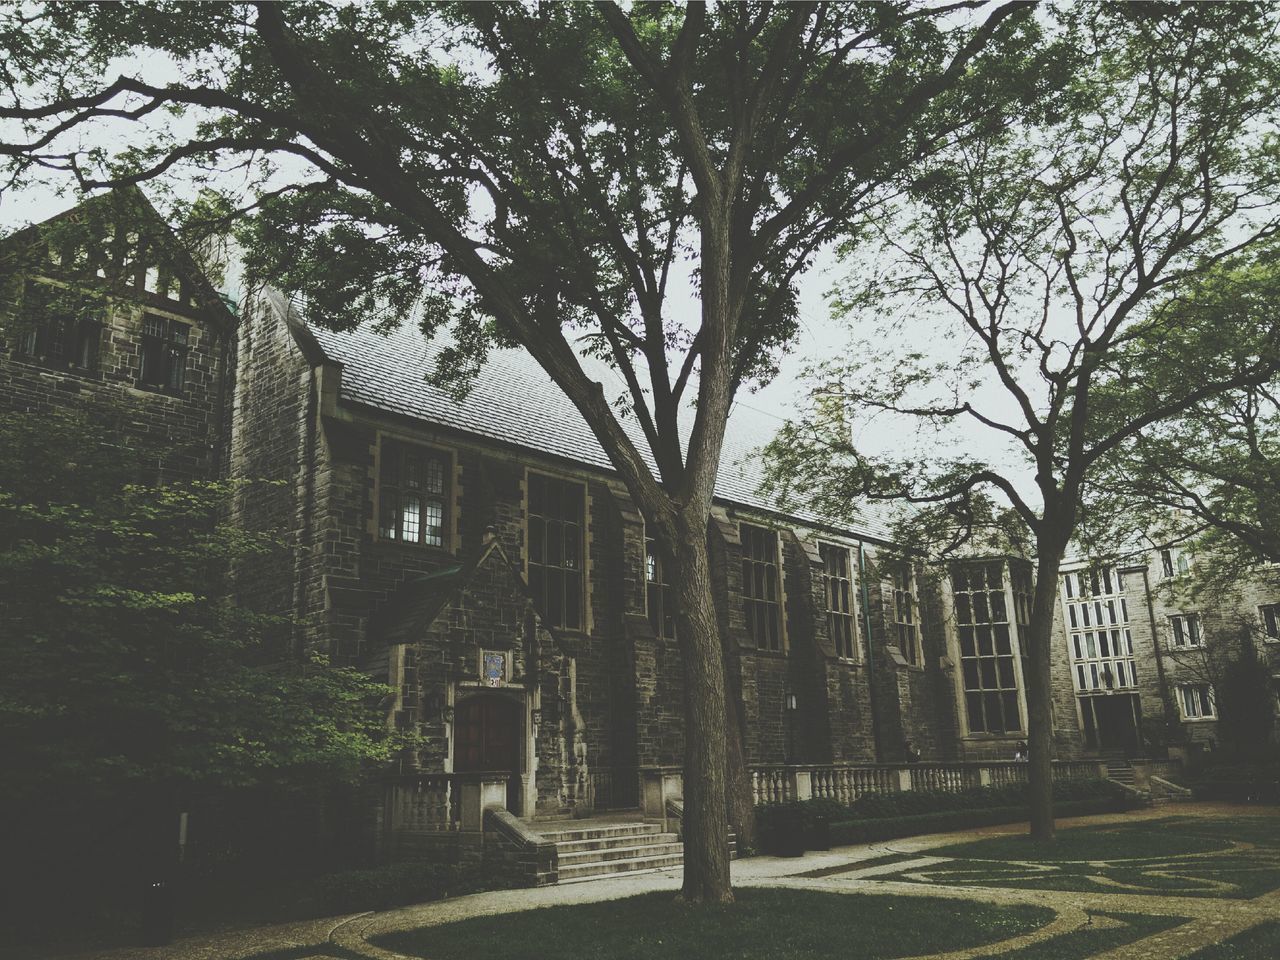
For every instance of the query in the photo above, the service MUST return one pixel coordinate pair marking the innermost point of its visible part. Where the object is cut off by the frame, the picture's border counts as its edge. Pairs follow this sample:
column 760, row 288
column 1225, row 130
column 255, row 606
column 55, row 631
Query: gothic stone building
column 481, row 556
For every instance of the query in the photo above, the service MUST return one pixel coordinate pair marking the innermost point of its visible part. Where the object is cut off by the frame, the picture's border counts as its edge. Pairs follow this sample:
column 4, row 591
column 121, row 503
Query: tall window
column 1186, row 631
column 1271, row 620
column 411, row 494
column 906, row 612
column 839, row 589
column 1174, row 561
column 760, row 591
column 660, row 600
column 556, row 511
column 164, row 352
column 64, row 327
column 1098, row 631
column 1196, row 701
column 986, row 648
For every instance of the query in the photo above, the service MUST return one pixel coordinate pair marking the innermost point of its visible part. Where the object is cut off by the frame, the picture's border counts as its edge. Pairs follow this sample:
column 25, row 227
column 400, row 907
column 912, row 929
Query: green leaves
column 122, row 657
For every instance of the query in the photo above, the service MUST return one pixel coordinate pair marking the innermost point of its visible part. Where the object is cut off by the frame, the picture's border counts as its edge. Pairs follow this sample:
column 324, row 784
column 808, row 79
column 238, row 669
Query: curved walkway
column 1210, row 919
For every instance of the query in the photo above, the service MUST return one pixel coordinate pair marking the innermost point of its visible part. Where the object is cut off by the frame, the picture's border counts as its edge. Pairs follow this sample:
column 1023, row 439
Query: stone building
column 480, row 554
column 1146, row 646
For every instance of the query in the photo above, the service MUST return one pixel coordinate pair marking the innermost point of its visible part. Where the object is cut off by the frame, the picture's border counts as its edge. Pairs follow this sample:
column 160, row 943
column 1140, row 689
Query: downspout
column 871, row 660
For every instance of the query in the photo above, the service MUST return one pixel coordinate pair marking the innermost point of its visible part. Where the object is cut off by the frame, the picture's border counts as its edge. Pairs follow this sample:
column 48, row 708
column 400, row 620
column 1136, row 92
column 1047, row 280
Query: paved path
column 1211, row 919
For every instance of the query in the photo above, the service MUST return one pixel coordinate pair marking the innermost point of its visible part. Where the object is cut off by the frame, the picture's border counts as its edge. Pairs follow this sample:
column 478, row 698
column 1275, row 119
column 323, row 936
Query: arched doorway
column 487, row 735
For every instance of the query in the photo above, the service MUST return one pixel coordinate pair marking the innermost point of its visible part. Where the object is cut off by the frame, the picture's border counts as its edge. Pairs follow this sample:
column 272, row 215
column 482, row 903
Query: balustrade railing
column 426, row 802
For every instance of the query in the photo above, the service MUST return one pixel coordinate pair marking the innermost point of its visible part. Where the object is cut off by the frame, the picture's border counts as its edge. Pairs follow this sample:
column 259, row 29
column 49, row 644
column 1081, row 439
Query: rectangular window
column 557, row 514
column 660, row 598
column 1100, row 640
column 61, row 328
column 906, row 613
column 1270, row 620
column 761, row 593
column 164, row 352
column 839, row 589
column 412, row 483
column 1196, row 701
column 1166, row 563
column 1186, row 630
column 986, row 648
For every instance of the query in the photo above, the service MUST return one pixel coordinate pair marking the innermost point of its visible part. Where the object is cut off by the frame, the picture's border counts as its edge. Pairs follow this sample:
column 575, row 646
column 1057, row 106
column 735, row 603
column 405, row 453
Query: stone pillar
column 800, row 784
column 658, row 785
column 984, row 776
column 482, row 792
column 904, row 778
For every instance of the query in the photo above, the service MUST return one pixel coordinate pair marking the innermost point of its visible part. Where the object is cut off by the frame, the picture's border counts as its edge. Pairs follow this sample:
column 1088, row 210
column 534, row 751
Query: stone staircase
column 1118, row 769
column 585, row 852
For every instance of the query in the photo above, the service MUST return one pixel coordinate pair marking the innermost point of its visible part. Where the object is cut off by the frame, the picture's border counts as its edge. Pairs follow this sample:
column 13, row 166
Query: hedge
column 844, row 832
column 393, row 885
column 883, row 816
column 1258, row 781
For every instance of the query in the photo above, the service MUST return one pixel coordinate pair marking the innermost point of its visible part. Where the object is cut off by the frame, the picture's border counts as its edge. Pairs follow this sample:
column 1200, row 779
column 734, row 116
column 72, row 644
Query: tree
column 1212, row 472
column 1044, row 256
column 128, row 680
column 534, row 173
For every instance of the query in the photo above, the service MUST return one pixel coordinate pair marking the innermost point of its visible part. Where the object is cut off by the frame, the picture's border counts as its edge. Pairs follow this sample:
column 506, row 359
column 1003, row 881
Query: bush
column 1238, row 780
column 888, row 828
column 393, row 885
column 882, row 816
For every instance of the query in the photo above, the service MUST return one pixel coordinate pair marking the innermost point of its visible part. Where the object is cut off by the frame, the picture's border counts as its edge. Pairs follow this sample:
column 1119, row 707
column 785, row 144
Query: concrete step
column 610, row 843
column 598, row 868
column 570, row 858
column 600, row 832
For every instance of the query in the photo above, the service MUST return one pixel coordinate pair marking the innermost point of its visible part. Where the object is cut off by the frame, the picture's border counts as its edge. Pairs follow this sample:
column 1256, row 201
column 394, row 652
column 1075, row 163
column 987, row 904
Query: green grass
column 761, row 924
column 1170, row 857
column 1159, row 838
column 1092, row 940
column 1258, row 943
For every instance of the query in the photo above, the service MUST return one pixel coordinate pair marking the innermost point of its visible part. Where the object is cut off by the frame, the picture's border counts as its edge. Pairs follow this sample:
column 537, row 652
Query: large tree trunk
column 706, row 843
column 1039, row 691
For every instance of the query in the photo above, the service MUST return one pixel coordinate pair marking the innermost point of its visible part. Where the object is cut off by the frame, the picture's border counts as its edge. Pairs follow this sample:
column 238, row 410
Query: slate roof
column 513, row 400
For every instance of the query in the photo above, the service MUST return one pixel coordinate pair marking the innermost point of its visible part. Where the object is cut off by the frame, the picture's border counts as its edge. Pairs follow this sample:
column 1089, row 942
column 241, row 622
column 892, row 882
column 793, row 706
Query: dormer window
column 164, row 353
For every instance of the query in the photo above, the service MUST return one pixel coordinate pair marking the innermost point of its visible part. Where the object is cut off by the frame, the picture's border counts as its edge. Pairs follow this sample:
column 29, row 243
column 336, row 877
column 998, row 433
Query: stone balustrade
column 845, row 783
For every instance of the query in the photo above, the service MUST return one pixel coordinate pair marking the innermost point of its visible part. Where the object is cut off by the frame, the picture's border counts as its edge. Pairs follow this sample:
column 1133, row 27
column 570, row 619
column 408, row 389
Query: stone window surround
column 912, row 659
column 1174, row 561
column 1269, row 614
column 1092, row 618
column 855, row 655
column 100, row 324
column 1200, row 717
column 452, row 540
column 584, row 479
column 662, row 585
column 1181, row 625
column 784, row 644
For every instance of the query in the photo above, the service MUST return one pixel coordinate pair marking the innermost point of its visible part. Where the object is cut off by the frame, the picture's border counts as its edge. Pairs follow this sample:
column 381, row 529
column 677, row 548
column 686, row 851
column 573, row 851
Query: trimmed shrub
column 1256, row 781
column 883, row 816
column 393, row 885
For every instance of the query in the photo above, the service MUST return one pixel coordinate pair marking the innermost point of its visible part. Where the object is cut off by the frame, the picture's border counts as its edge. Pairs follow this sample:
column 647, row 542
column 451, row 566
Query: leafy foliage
column 123, row 663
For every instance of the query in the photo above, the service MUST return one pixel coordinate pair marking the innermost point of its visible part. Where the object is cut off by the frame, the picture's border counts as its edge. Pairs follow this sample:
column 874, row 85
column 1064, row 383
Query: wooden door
column 487, row 738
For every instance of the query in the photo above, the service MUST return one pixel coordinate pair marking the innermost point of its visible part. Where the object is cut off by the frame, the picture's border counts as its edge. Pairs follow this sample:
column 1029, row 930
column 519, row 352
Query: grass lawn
column 761, row 924
column 1157, row 838
column 1259, row 943
column 1092, row 940
column 1170, row 857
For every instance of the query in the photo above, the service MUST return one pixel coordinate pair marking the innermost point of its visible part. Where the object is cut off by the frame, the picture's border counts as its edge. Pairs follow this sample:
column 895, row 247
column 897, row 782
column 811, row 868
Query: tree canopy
column 1029, row 267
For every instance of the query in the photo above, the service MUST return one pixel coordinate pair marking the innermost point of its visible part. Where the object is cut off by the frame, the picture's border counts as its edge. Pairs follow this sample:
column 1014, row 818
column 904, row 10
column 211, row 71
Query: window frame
column 765, row 641
column 1205, row 704
column 1181, row 628
column 58, row 339
column 659, row 593
column 1008, row 696
column 173, row 342
column 1269, row 614
column 907, row 587
column 389, row 446
column 844, row 640
column 542, row 574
